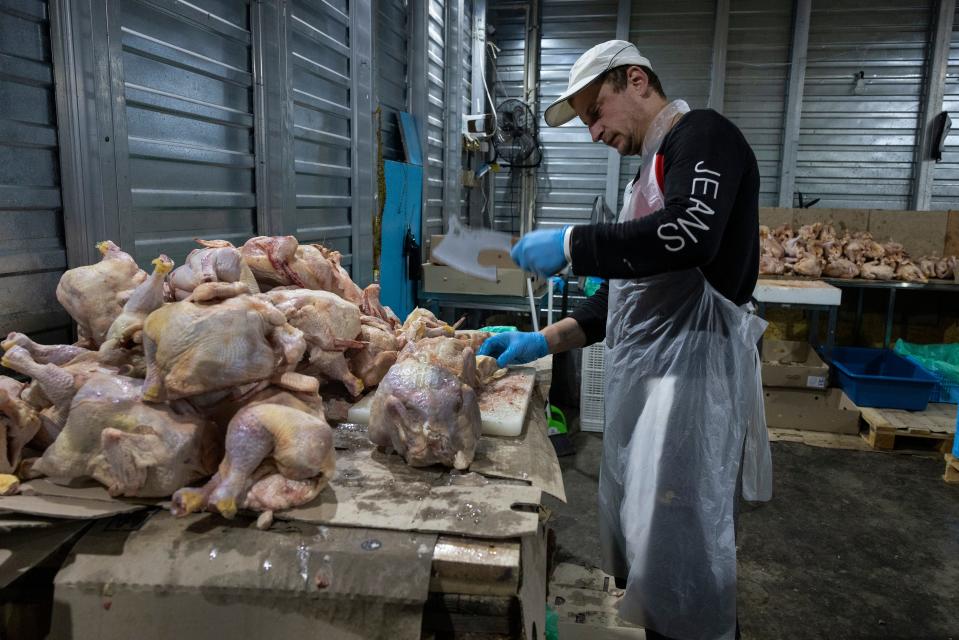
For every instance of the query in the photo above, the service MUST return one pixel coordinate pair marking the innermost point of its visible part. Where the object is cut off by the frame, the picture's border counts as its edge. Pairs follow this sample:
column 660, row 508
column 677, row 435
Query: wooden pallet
column 892, row 429
column 952, row 470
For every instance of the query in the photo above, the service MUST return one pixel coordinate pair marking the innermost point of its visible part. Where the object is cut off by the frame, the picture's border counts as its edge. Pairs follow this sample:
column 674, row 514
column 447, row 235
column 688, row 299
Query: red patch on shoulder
column 660, row 172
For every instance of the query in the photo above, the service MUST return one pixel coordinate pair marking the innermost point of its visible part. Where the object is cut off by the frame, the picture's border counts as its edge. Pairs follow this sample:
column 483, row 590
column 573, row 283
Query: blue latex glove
column 540, row 252
column 515, row 347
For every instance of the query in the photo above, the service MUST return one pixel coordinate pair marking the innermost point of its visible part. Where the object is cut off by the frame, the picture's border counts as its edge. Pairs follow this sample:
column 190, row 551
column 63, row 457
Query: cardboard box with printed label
column 509, row 282
column 830, row 411
column 794, row 365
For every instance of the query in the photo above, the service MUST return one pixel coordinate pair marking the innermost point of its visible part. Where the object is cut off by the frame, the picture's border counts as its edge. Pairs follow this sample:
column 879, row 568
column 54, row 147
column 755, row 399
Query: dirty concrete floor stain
column 853, row 545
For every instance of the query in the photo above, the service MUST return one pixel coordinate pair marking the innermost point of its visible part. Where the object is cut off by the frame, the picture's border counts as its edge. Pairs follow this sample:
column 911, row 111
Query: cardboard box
column 830, row 411
column 793, row 364
column 509, row 282
column 202, row 577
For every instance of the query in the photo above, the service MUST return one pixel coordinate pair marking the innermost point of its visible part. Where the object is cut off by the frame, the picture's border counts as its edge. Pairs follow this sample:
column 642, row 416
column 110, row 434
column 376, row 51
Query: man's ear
column 636, row 77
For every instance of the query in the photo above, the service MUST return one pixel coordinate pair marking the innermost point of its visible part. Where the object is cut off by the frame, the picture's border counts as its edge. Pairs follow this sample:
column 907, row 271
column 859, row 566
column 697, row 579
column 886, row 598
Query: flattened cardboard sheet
column 372, row 489
column 71, row 508
column 26, row 547
column 204, row 577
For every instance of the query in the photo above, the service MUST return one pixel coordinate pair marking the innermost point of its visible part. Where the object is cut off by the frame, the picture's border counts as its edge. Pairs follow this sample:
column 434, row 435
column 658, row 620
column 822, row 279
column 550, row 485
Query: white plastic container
column 592, row 392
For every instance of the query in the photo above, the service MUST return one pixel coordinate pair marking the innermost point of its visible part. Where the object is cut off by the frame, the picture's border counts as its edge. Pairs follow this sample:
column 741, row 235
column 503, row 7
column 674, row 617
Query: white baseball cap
column 589, row 66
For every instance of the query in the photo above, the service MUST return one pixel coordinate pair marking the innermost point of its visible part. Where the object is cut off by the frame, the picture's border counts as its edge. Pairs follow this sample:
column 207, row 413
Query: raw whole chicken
column 421, row 323
column 279, row 454
column 281, row 261
column 877, row 271
column 94, row 295
column 946, row 268
column 126, row 332
column 426, row 407
column 380, row 349
column 19, row 423
column 928, row 266
column 53, row 386
column 133, row 448
column 841, row 268
column 194, row 348
column 854, row 250
column 217, row 261
column 769, row 245
column 808, row 264
column 908, row 271
column 873, row 250
column 827, row 234
column 330, row 326
column 809, row 232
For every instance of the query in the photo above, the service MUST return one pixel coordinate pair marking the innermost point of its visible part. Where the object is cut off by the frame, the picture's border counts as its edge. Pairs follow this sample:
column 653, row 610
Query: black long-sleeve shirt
column 710, row 180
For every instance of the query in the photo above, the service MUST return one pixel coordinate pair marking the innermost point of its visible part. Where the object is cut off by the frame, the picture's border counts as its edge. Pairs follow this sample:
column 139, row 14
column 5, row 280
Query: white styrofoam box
column 592, row 391
column 797, row 292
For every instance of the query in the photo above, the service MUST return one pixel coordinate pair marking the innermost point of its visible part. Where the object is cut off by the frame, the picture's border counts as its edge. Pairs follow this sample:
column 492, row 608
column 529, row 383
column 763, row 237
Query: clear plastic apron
column 684, row 407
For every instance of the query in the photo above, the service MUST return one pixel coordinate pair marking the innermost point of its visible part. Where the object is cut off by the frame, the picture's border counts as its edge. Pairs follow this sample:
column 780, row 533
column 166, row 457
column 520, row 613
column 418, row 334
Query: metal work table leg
column 814, row 327
column 831, row 329
column 858, row 333
column 890, row 313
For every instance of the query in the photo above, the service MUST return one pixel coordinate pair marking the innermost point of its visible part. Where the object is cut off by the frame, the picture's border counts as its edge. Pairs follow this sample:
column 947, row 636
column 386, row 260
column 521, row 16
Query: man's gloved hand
column 515, row 347
column 541, row 252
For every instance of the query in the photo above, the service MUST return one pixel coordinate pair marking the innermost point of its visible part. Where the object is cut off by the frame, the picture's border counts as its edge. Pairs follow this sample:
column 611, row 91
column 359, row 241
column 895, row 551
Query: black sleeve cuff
column 591, row 315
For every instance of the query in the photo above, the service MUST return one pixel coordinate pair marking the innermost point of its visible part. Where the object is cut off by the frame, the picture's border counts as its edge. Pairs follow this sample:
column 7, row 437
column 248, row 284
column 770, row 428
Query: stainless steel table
column 892, row 286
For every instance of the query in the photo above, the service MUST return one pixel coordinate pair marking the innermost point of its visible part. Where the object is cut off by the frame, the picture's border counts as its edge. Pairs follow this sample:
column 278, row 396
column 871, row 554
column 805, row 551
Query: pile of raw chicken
column 203, row 382
column 817, row 250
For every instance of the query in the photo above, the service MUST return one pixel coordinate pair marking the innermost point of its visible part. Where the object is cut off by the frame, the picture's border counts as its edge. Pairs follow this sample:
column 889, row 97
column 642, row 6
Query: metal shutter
column 32, row 249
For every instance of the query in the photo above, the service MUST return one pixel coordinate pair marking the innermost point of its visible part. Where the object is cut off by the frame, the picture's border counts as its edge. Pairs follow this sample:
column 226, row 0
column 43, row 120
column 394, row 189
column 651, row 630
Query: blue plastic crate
column 945, row 390
column 881, row 378
column 955, row 440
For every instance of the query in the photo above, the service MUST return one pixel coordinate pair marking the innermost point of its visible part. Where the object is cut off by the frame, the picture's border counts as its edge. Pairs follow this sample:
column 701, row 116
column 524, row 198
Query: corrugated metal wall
column 505, row 81
column 390, row 61
column 466, row 54
column 435, row 115
column 945, row 187
column 322, row 111
column 678, row 40
column 573, row 172
column 757, row 68
column 856, row 144
column 32, row 249
column 188, row 83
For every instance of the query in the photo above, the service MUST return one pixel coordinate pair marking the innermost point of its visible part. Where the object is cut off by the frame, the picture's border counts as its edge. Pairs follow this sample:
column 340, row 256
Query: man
column 683, row 396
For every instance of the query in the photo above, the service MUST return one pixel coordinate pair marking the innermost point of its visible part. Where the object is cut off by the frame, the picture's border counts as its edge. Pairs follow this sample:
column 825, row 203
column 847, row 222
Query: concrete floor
column 853, row 544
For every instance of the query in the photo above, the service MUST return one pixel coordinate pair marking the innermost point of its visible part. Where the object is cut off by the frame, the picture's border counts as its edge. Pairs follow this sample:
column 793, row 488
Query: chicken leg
column 299, row 443
column 44, row 353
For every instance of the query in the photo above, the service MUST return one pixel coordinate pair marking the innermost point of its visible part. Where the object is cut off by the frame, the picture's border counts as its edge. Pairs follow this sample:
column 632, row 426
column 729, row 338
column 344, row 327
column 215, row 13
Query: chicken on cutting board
column 426, row 407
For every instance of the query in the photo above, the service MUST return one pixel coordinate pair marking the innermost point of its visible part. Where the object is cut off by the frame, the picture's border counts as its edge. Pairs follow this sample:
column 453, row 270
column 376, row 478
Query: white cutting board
column 503, row 404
